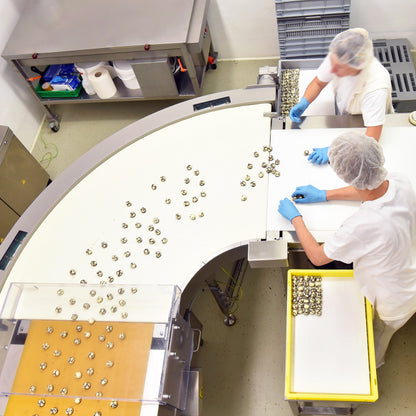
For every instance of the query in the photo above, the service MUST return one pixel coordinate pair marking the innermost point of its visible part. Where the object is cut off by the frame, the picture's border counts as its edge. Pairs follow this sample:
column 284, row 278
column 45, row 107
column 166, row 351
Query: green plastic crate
column 57, row 94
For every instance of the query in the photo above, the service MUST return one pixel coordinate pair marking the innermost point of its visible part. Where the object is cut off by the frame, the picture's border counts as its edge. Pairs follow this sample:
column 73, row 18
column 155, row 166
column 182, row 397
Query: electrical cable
column 189, row 309
column 235, row 300
column 48, row 156
column 237, row 285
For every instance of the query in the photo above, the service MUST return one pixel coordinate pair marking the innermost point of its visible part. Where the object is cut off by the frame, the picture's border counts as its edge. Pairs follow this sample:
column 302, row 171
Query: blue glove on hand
column 309, row 193
column 319, row 155
column 288, row 209
column 297, row 110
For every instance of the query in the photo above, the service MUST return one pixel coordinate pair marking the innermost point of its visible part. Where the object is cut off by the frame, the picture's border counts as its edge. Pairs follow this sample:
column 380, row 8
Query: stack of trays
column 306, row 27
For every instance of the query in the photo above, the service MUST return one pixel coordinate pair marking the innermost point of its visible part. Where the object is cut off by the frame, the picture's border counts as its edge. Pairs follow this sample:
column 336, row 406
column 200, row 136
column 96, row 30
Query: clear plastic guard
column 71, row 348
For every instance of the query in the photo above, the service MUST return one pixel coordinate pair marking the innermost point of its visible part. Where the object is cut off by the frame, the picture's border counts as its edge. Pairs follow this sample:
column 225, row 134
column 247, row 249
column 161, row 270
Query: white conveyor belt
column 129, row 204
column 399, row 145
column 215, row 148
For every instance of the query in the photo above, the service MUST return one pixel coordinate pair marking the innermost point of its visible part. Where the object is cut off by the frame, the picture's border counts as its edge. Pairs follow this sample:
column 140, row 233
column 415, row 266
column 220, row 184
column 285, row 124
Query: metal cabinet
column 8, row 218
column 153, row 34
column 22, row 179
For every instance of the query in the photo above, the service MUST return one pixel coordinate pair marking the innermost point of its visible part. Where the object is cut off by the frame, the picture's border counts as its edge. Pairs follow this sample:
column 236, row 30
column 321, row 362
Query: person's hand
column 307, row 194
column 319, row 155
column 297, row 110
column 288, row 209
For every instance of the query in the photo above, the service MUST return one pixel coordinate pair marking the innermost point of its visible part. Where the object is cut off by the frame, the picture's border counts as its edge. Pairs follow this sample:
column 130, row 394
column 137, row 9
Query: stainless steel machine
column 22, row 179
column 129, row 364
column 171, row 222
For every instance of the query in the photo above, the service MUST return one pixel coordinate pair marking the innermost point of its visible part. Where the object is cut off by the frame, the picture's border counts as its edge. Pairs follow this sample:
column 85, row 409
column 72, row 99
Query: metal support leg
column 300, row 408
column 225, row 298
column 294, row 407
column 54, row 120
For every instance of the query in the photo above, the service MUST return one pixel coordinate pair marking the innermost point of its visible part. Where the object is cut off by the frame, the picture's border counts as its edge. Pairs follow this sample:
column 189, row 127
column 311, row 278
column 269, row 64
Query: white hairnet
column 358, row 160
column 353, row 47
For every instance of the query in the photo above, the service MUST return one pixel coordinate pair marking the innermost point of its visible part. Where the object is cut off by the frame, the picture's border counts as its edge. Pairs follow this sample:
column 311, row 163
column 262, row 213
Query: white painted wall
column 385, row 19
column 244, row 29
column 19, row 110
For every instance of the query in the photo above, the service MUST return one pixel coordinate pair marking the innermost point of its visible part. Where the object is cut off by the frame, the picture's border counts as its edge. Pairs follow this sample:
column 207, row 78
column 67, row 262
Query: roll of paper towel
column 102, row 83
column 85, row 69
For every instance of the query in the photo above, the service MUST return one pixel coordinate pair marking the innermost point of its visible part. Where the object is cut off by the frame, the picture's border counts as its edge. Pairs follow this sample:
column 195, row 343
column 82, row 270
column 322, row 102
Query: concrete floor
column 243, row 365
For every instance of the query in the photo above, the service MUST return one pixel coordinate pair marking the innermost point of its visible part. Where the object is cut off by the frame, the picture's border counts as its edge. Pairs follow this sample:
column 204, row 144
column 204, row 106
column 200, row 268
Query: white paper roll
column 89, row 89
column 102, row 83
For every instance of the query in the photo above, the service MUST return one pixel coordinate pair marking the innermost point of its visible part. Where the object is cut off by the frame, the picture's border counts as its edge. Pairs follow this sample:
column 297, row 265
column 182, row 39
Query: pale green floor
column 243, row 365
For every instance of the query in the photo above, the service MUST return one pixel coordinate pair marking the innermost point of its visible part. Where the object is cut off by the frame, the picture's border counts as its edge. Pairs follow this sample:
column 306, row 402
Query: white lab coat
column 368, row 93
column 380, row 240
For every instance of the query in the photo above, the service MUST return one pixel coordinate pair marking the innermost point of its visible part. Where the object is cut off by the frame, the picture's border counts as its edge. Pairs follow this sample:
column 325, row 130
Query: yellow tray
column 314, row 396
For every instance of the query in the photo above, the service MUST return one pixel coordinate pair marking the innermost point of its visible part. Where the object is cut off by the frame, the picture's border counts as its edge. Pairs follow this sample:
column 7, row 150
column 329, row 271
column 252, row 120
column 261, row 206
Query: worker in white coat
column 361, row 85
column 379, row 239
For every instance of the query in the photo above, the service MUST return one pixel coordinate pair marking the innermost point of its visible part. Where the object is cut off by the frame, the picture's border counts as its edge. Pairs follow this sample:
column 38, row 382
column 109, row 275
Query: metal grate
column 391, row 53
column 395, row 56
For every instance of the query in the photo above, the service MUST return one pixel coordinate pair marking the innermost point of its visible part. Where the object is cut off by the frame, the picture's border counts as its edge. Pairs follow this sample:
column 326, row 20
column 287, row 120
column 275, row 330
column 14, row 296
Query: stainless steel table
column 151, row 33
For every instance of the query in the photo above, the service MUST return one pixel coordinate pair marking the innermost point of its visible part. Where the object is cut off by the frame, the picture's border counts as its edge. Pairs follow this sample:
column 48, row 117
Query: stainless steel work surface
column 47, row 26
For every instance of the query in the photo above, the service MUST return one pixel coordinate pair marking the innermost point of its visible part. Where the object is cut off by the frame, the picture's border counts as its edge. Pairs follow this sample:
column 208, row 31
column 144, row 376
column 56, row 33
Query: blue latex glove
column 288, row 209
column 297, row 110
column 309, row 193
column 319, row 155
